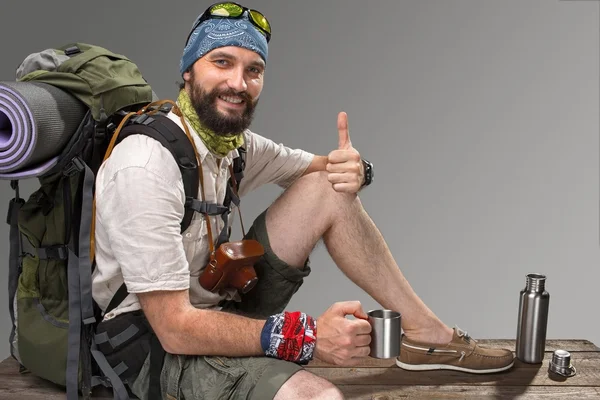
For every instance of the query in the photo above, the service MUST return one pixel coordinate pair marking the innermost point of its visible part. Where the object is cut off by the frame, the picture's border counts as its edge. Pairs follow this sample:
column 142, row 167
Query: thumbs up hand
column 344, row 166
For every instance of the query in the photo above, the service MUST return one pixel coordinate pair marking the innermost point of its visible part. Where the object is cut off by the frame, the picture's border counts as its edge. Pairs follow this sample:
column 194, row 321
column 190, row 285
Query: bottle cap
column 561, row 364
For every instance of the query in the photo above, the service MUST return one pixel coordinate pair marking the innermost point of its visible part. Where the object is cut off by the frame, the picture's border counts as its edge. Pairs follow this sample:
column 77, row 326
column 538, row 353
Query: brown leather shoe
column 461, row 354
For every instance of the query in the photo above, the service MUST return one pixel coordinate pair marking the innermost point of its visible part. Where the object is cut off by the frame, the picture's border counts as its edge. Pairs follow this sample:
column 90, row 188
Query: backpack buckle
column 75, row 166
column 110, row 127
column 100, row 130
column 165, row 108
column 72, row 51
column 186, row 163
column 13, row 210
column 56, row 252
column 144, row 119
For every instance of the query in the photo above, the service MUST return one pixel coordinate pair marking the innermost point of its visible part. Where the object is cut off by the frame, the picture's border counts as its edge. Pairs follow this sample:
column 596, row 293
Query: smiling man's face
column 224, row 86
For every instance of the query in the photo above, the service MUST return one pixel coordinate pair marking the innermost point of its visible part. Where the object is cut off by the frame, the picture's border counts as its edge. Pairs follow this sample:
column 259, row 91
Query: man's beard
column 205, row 104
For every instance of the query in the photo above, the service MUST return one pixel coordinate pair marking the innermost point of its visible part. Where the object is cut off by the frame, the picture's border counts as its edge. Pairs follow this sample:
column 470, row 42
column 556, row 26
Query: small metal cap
column 561, row 364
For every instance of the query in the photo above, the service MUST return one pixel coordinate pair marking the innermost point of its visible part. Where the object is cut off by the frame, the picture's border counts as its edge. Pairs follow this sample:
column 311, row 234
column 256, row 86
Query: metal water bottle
column 533, row 320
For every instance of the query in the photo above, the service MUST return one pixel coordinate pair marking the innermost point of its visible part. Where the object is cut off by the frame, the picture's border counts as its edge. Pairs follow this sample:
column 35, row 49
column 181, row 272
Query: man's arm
column 184, row 329
column 319, row 163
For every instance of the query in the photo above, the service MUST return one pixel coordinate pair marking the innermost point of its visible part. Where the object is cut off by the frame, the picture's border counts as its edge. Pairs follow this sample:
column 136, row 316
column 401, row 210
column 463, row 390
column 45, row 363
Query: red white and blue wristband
column 289, row 336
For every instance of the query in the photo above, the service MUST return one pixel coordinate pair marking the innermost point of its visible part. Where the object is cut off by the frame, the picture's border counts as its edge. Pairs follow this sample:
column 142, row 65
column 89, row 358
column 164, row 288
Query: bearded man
column 224, row 343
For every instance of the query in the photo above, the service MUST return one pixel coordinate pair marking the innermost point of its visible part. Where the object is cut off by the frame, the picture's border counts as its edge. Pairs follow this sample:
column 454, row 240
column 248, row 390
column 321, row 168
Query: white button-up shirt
column 140, row 205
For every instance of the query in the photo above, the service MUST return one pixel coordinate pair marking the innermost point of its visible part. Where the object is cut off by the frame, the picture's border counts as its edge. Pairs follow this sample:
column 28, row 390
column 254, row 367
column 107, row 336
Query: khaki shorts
column 210, row 377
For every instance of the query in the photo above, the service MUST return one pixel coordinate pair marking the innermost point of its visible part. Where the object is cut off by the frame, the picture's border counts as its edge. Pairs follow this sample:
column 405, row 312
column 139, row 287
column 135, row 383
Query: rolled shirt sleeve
column 269, row 162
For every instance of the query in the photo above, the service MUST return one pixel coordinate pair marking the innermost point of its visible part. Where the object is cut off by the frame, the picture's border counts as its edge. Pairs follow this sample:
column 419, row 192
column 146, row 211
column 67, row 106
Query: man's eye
column 255, row 70
column 221, row 62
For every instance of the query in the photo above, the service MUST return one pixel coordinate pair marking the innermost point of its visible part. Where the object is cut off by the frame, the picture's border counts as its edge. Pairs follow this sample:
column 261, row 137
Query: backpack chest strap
column 204, row 207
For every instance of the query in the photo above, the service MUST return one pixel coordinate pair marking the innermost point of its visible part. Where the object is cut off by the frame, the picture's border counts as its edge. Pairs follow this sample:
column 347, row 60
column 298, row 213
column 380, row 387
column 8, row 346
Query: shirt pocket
column 198, row 229
column 195, row 243
column 193, row 232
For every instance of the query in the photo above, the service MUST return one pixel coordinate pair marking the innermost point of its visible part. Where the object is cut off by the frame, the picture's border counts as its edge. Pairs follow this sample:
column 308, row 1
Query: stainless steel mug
column 385, row 333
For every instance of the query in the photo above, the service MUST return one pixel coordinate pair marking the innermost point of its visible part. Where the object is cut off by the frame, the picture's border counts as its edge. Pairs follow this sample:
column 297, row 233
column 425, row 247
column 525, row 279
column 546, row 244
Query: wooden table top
column 383, row 380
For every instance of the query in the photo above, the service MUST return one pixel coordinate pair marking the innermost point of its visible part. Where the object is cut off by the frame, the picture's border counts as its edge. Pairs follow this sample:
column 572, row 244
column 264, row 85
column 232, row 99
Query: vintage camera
column 232, row 265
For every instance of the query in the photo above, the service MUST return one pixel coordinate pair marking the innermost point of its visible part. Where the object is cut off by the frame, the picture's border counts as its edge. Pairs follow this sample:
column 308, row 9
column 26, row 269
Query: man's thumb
column 353, row 308
column 344, row 142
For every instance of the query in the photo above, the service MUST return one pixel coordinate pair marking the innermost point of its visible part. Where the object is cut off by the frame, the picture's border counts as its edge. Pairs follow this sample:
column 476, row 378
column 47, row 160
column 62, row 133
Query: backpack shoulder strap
column 174, row 139
column 239, row 164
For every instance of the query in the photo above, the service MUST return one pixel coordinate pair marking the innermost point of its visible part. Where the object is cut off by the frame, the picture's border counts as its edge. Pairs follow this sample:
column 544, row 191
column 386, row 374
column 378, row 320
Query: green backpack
column 53, row 313
column 52, row 310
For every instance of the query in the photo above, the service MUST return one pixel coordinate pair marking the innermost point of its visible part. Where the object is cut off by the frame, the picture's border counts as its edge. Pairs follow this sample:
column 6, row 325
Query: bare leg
column 304, row 385
column 315, row 211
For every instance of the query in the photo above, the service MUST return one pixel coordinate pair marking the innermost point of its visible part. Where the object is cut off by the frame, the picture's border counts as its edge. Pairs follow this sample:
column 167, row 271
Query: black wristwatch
column 368, row 171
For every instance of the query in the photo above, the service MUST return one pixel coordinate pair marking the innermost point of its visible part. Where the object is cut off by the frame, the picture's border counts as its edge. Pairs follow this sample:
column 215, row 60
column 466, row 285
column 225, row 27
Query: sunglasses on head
column 234, row 10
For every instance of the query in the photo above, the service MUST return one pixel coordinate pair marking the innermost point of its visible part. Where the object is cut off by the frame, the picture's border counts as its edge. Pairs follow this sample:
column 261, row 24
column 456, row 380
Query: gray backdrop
column 481, row 118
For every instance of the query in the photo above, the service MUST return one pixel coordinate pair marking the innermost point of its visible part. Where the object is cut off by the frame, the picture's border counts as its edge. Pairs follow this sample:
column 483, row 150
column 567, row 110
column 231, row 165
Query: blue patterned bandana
column 222, row 32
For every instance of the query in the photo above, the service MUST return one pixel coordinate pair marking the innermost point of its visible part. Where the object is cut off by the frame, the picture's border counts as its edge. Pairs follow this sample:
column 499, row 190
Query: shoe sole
column 433, row 367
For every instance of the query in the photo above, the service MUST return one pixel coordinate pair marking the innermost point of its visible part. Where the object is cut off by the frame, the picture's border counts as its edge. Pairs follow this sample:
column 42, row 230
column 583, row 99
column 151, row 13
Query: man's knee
column 305, row 385
column 317, row 185
column 318, row 182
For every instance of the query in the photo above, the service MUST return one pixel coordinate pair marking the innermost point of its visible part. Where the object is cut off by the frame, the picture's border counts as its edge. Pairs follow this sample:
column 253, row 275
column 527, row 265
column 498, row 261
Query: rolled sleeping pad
column 36, row 122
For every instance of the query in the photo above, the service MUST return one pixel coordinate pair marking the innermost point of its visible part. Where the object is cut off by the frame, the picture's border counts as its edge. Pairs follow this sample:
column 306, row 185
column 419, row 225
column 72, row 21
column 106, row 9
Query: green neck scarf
column 217, row 144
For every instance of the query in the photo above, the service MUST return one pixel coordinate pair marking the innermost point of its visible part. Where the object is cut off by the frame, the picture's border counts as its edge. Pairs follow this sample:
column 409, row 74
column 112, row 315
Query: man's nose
column 237, row 80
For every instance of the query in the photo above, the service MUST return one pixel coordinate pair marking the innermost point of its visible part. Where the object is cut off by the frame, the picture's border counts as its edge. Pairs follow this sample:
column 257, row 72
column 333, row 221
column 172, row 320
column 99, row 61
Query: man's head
column 223, row 65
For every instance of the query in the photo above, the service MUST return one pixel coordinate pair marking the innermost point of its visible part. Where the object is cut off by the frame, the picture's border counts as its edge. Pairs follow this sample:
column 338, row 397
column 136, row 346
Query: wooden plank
column 381, row 379
column 570, row 345
column 369, row 392
column 14, row 385
column 368, row 362
column 587, row 364
column 37, row 394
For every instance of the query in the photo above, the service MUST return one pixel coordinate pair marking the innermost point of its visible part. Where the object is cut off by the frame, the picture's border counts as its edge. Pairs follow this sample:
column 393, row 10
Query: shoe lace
column 463, row 334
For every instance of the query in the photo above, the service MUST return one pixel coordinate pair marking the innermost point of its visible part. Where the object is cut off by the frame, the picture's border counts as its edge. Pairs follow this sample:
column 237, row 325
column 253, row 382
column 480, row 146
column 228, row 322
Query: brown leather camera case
column 232, row 265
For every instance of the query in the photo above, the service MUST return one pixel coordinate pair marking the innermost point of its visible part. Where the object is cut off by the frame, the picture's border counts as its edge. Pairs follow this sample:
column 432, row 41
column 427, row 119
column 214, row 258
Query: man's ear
column 186, row 75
